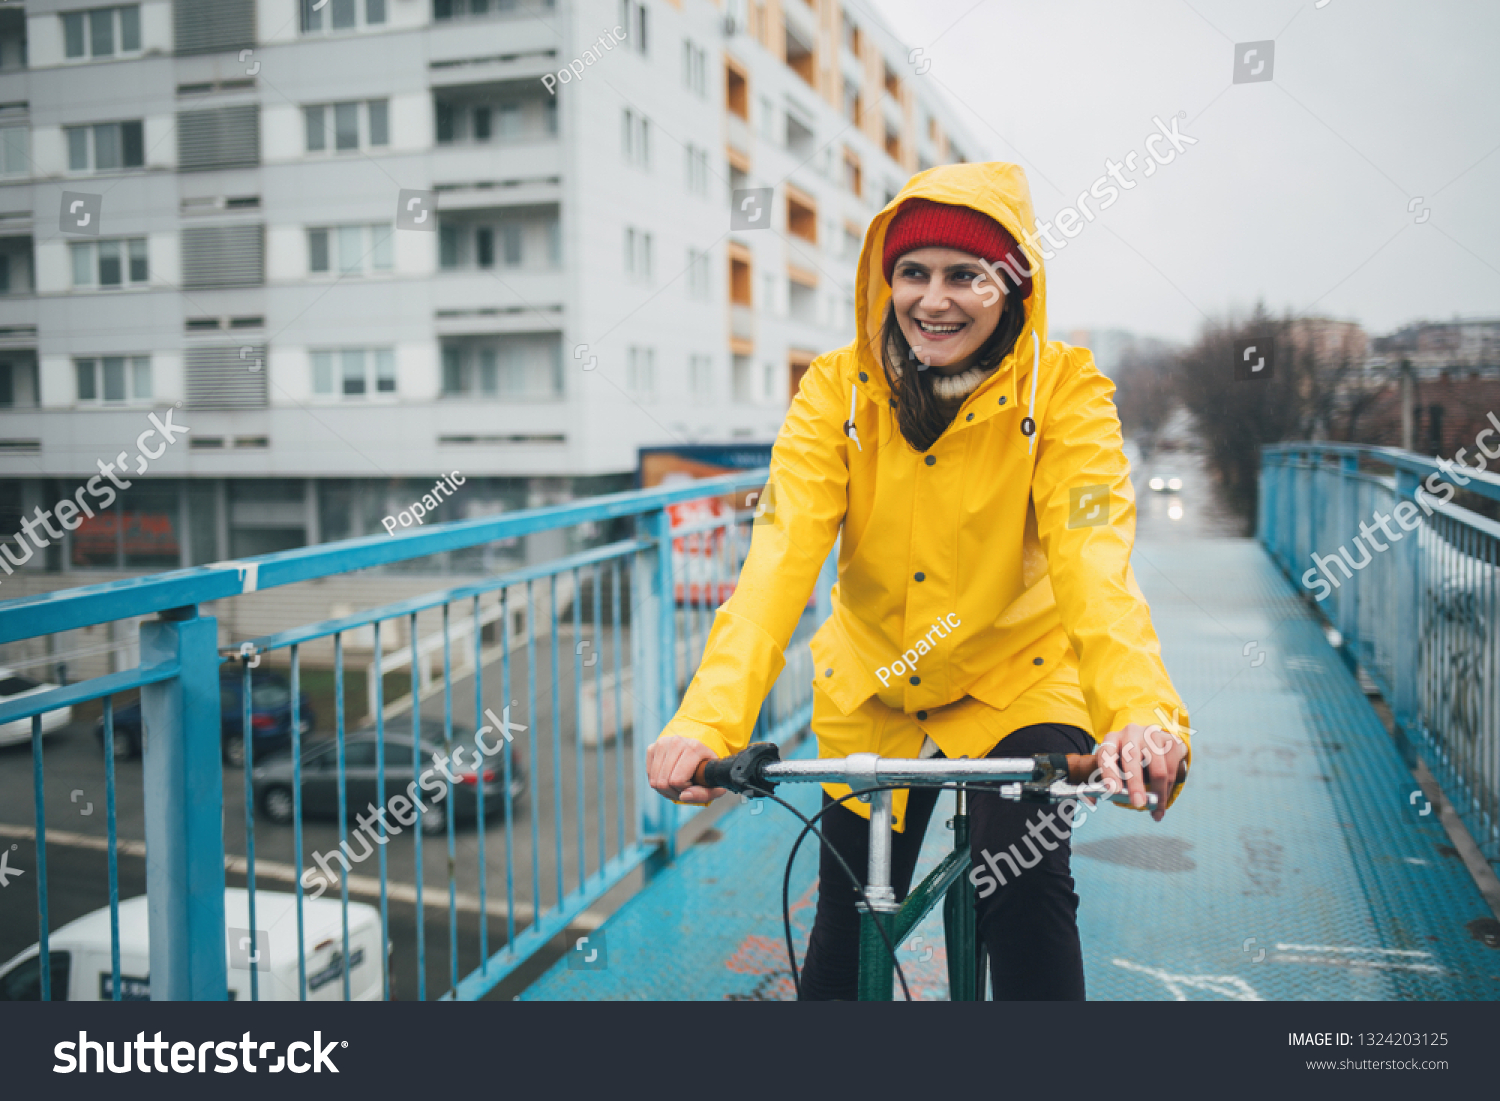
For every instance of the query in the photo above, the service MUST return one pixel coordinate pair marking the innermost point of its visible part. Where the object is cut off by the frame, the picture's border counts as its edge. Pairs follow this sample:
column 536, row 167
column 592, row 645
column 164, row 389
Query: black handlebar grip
column 715, row 773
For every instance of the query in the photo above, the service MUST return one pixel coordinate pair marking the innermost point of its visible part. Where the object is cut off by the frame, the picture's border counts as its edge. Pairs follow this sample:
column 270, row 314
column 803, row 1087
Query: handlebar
column 1046, row 777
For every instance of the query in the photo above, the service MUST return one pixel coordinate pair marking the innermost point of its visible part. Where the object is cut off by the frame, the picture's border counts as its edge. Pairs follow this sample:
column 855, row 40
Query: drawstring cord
column 1036, row 368
column 849, row 429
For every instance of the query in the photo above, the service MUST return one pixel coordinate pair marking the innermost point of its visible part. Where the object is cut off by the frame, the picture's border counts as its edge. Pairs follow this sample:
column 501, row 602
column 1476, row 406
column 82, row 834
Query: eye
column 965, row 276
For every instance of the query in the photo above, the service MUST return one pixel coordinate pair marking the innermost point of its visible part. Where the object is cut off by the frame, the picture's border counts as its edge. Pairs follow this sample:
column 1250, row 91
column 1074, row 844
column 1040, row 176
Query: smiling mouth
column 934, row 329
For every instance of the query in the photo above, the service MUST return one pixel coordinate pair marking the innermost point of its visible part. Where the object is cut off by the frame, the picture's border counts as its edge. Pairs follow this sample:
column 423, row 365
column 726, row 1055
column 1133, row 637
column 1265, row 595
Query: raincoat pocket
column 838, row 671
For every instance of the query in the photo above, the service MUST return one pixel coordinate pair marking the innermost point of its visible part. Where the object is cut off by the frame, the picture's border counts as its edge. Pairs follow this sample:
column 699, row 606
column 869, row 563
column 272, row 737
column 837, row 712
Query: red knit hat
column 922, row 223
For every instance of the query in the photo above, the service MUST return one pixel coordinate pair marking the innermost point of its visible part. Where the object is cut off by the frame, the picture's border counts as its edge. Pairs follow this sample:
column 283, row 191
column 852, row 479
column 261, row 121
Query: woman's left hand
column 1163, row 753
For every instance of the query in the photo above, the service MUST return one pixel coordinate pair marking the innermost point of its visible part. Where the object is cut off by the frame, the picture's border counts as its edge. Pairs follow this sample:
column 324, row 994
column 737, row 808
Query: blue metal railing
column 1408, row 579
column 675, row 575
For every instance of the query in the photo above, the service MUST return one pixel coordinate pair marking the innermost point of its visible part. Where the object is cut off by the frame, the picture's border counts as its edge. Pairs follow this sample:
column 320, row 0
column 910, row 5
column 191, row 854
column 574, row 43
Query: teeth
column 928, row 327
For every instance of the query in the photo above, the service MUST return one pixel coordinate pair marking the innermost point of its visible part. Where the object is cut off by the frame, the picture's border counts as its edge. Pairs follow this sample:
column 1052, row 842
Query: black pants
column 1029, row 925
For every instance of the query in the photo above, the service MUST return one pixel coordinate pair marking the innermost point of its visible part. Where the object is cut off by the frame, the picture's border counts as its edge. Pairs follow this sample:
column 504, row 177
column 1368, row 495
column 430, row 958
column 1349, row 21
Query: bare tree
column 1238, row 411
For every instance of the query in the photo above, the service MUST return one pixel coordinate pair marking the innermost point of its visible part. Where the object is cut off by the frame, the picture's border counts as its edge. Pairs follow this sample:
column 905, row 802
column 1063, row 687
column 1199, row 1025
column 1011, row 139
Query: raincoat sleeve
column 799, row 516
column 1081, row 465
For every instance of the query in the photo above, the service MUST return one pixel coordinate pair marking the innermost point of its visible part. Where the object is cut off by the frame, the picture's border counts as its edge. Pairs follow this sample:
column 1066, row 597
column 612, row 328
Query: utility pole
column 1408, row 390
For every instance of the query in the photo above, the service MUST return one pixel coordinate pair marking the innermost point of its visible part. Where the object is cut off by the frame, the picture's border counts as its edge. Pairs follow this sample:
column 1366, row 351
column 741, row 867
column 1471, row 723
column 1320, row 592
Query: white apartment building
column 353, row 245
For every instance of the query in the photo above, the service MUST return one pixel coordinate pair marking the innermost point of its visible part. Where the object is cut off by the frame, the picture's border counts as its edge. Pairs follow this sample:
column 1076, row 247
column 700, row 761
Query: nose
column 935, row 297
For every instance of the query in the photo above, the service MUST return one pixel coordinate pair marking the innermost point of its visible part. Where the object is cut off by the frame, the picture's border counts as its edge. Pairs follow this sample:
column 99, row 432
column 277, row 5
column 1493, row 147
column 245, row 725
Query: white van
column 80, row 952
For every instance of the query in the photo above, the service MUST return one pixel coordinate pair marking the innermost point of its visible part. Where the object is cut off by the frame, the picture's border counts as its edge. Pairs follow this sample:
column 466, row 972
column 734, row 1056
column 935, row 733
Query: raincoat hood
column 994, row 188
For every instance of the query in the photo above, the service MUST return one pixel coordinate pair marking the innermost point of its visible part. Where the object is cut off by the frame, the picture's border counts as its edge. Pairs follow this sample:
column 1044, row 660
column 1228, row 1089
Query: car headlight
column 1157, row 484
column 1175, row 483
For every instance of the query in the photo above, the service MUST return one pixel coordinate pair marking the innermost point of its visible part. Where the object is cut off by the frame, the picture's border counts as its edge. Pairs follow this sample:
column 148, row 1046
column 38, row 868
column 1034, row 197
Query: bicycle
column 1050, row 778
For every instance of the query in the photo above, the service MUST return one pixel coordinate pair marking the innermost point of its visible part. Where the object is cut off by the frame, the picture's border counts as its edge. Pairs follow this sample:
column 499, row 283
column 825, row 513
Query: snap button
column 921, row 716
column 931, row 459
column 916, row 680
column 1036, row 661
column 863, row 377
column 921, row 576
column 969, row 417
column 828, row 672
column 1002, row 399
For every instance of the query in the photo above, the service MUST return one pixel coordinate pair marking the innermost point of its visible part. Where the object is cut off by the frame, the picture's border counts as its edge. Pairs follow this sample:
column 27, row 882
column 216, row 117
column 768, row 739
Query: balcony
column 492, row 170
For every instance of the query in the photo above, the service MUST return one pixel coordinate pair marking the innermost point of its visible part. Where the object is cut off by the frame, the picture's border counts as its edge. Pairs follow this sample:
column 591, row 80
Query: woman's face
column 941, row 314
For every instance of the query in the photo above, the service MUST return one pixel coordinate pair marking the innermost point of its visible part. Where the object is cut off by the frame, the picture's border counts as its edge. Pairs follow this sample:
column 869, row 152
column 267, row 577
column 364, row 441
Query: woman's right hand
column 670, row 764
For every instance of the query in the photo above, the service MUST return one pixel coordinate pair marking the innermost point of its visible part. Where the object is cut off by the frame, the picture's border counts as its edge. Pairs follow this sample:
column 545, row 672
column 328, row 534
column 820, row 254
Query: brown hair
column 920, row 413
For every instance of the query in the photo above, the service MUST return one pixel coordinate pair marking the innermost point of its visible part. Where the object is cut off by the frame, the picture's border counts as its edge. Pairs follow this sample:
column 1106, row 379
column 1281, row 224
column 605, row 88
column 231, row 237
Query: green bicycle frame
column 946, row 883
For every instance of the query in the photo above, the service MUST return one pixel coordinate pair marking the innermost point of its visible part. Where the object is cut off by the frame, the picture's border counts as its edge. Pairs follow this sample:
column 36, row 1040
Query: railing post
column 184, row 810
column 651, row 608
column 1406, row 646
column 1349, row 602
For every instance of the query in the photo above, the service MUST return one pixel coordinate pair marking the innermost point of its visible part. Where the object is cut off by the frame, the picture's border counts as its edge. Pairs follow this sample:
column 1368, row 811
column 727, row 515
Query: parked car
column 82, row 971
column 270, row 717
column 320, row 776
column 15, row 687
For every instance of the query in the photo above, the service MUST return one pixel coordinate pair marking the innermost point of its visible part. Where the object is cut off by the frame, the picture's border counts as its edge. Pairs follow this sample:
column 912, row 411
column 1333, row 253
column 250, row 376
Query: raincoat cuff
column 688, row 728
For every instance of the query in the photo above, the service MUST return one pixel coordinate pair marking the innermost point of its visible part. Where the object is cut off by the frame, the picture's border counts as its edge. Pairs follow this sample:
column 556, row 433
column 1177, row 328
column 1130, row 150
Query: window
column 347, row 127
column 640, row 371
column 701, row 378
column 350, row 250
column 850, row 35
column 697, row 282
column 105, row 146
column 852, row 243
column 521, row 366
column 507, row 120
column 695, row 162
column 634, row 28
column 511, row 241
column 851, row 101
column 102, row 32
column 15, row 160
column 461, row 9
column 113, row 379
column 341, row 15
column 23, row 983
column 638, row 254
column 353, row 373
column 635, row 139
column 694, row 68
column 109, row 263
column 853, row 178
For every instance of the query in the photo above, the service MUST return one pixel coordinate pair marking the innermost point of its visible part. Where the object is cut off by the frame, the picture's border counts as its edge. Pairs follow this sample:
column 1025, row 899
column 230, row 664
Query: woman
column 985, row 603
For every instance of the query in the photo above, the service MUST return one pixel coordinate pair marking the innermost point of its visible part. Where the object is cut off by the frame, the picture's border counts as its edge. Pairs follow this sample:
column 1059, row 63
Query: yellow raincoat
column 1000, row 560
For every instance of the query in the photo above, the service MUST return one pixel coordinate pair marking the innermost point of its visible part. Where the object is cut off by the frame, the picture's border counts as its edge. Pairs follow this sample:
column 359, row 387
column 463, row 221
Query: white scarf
column 954, row 387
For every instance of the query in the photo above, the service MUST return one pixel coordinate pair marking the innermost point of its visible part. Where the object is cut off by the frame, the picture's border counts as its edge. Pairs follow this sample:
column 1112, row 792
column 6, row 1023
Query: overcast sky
column 1297, row 190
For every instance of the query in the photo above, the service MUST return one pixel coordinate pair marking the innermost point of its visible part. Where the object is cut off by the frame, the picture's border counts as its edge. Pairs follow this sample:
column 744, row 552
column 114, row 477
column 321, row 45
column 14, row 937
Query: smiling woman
column 942, row 316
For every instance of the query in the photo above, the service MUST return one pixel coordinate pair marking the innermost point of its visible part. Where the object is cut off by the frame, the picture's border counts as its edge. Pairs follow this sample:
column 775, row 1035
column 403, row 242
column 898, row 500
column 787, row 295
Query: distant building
column 1433, row 348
